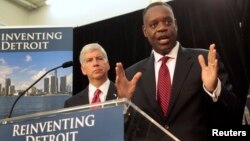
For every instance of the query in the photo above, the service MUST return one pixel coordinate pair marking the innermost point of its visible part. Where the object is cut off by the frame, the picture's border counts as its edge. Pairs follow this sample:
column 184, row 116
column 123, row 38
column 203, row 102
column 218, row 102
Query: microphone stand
column 67, row 64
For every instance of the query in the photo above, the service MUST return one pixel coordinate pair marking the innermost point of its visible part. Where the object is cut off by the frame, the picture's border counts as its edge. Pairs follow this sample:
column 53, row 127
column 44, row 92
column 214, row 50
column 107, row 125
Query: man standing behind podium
column 95, row 65
column 200, row 95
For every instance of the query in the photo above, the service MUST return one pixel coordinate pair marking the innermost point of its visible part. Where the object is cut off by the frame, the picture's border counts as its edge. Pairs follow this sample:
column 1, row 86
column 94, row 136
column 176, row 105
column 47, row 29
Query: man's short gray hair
column 89, row 48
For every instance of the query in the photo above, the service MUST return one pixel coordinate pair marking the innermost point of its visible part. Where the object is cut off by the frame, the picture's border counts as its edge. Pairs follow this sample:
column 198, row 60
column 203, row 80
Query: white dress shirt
column 171, row 66
column 103, row 88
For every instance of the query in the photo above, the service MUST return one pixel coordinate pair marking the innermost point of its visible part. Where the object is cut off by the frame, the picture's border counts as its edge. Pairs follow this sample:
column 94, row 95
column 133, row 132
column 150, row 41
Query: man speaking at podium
column 195, row 93
column 95, row 65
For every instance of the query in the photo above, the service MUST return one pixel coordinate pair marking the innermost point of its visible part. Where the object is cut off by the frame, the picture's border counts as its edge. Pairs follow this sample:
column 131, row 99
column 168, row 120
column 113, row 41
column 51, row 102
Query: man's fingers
column 119, row 70
column 211, row 55
column 202, row 61
column 136, row 77
column 216, row 65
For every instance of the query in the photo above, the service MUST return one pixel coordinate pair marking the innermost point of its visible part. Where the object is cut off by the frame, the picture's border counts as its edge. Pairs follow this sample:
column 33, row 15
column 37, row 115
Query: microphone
column 64, row 65
column 67, row 64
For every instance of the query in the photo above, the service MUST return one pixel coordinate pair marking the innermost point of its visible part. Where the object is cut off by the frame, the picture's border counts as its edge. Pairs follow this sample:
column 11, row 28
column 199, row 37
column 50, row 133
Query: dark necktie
column 96, row 97
column 164, row 86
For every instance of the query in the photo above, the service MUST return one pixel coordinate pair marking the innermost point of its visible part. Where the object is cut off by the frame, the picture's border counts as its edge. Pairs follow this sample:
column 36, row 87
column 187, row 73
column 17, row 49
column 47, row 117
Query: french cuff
column 216, row 93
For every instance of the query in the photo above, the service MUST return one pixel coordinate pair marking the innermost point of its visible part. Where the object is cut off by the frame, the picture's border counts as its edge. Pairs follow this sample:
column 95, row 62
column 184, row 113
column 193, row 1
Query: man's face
column 95, row 66
column 160, row 28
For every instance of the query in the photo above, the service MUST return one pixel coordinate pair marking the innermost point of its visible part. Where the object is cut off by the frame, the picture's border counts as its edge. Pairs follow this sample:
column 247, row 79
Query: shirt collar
column 172, row 54
column 104, row 87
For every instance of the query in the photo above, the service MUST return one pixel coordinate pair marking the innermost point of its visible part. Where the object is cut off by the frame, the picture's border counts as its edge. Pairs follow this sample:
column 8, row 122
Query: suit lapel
column 180, row 74
column 112, row 93
column 84, row 96
column 148, row 81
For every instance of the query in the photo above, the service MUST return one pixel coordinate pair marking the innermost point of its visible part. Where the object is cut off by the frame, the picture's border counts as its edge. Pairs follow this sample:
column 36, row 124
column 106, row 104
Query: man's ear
column 83, row 70
column 108, row 66
column 176, row 26
column 144, row 31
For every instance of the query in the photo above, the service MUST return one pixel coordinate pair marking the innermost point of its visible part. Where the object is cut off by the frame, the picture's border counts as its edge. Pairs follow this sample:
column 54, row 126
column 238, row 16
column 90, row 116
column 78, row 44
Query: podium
column 114, row 120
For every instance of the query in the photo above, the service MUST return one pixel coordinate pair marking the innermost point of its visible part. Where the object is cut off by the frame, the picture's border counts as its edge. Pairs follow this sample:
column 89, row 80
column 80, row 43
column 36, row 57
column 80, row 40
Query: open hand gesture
column 124, row 87
column 209, row 72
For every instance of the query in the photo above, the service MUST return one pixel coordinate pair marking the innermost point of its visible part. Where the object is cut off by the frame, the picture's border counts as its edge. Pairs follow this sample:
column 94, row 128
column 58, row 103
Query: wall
column 78, row 12
column 69, row 12
column 11, row 14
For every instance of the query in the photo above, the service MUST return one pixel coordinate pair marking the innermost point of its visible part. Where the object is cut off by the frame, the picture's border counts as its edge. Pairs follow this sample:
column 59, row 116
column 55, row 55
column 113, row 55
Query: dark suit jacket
column 191, row 109
column 82, row 97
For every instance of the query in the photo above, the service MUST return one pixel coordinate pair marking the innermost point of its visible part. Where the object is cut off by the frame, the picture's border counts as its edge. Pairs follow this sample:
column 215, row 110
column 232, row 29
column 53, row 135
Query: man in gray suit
column 95, row 65
column 201, row 95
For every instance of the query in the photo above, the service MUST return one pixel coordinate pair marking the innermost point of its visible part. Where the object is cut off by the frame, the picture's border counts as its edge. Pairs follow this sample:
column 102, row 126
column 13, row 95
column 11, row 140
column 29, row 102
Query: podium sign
column 104, row 124
column 117, row 120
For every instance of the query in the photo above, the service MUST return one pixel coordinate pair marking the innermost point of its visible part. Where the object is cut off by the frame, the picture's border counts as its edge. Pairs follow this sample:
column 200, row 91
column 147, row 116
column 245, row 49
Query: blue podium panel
column 104, row 124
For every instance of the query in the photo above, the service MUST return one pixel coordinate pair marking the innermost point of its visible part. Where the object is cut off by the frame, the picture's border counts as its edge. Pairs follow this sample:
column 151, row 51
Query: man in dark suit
column 199, row 85
column 95, row 65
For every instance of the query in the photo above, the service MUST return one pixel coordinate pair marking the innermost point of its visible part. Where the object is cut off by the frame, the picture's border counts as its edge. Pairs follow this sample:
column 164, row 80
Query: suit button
column 166, row 126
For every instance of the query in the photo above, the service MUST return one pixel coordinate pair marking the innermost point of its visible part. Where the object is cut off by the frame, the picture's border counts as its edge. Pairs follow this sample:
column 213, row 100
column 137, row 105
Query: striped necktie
column 164, row 86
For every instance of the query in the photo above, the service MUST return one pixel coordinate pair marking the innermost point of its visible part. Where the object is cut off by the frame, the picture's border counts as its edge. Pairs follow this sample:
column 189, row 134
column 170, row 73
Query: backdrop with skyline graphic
column 27, row 53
